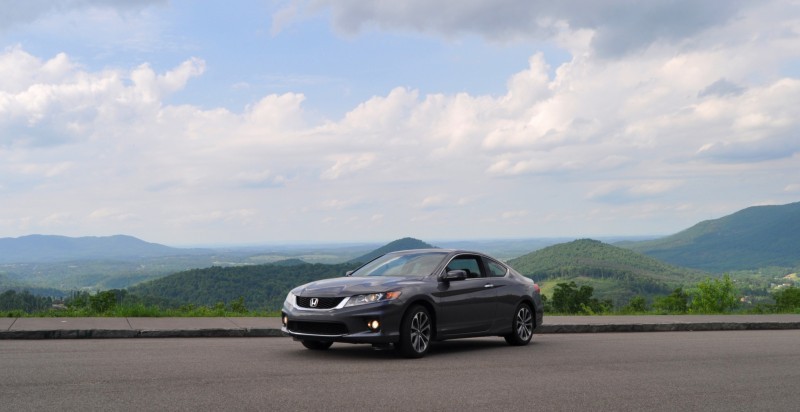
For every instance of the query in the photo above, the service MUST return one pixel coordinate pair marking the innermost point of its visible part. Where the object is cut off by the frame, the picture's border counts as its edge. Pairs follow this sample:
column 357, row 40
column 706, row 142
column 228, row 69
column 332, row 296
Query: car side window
column 469, row 264
column 495, row 269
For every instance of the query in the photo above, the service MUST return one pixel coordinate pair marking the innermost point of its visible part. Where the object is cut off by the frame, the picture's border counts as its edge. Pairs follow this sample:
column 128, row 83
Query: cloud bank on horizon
column 355, row 120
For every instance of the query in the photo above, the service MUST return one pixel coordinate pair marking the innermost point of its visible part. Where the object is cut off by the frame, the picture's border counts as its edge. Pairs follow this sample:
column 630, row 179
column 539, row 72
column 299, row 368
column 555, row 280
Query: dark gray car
column 410, row 298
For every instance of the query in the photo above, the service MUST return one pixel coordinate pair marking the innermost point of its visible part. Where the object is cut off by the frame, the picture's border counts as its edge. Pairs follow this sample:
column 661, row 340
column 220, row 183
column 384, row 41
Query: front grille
column 322, row 303
column 317, row 328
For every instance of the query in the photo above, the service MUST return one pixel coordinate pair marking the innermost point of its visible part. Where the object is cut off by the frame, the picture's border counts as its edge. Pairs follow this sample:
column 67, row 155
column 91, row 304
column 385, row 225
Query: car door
column 506, row 295
column 465, row 306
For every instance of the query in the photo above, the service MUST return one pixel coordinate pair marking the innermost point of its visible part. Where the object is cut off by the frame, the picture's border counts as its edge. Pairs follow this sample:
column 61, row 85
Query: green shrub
column 715, row 296
column 637, row 304
column 787, row 300
column 675, row 302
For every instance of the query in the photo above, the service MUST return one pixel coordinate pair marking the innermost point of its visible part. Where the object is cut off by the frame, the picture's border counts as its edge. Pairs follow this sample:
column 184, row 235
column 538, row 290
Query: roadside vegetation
column 115, row 303
column 710, row 296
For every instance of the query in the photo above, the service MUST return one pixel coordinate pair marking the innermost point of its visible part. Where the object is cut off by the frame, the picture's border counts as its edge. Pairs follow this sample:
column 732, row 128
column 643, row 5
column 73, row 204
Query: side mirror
column 457, row 274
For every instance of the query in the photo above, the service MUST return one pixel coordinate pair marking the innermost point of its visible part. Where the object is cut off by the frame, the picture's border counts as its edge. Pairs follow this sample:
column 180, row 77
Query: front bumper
column 347, row 324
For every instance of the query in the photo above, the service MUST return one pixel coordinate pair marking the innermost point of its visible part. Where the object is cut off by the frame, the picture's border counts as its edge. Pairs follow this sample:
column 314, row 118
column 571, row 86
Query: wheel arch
column 529, row 301
column 429, row 306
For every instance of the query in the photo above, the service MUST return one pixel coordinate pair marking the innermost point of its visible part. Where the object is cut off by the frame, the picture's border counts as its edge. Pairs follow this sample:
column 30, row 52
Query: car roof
column 436, row 250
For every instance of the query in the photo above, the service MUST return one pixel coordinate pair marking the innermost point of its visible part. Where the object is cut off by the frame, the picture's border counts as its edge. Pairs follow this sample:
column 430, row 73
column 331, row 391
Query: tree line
column 712, row 295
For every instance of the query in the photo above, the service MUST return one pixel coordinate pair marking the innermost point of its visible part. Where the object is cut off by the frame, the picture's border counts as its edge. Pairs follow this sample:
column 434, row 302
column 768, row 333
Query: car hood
column 350, row 286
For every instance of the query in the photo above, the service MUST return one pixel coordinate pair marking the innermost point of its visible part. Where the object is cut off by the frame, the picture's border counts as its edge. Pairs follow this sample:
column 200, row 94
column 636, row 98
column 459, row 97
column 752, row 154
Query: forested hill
column 615, row 272
column 262, row 286
column 405, row 243
column 752, row 238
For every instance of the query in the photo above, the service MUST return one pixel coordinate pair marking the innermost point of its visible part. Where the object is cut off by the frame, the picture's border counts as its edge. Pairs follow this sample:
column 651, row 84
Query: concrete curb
column 274, row 332
column 131, row 334
column 666, row 327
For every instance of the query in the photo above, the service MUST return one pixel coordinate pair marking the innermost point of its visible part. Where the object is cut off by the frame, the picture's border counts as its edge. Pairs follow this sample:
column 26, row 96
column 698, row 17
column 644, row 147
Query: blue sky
column 205, row 122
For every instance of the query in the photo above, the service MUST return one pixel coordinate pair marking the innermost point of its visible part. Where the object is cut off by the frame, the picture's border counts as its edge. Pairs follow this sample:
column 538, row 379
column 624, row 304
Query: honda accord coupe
column 411, row 298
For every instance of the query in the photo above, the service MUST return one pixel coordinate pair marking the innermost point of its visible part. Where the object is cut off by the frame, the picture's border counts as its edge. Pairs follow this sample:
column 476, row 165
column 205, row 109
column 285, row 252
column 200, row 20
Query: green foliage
column 787, row 300
column 102, row 302
column 24, row 301
column 238, row 305
column 99, row 303
column 676, row 302
column 614, row 272
column 569, row 298
column 547, row 304
column 260, row 287
column 638, row 304
column 714, row 296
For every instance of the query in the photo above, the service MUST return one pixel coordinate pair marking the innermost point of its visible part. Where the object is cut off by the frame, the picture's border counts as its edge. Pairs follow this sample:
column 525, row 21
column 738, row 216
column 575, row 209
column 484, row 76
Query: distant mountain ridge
column 52, row 248
column 752, row 238
column 405, row 243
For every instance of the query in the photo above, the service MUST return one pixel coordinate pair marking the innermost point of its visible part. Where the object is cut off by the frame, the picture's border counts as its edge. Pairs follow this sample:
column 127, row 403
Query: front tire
column 521, row 326
column 416, row 331
column 316, row 344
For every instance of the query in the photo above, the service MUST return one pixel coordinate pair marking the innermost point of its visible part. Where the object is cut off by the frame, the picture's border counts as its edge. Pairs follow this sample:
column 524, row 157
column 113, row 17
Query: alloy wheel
column 524, row 323
column 420, row 332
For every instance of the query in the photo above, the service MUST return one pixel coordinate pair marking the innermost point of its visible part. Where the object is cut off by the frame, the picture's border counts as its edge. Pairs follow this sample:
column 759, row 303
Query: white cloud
column 625, row 192
column 53, row 102
column 112, row 215
column 347, row 164
column 619, row 27
column 514, row 214
column 152, row 87
column 433, row 202
column 652, row 123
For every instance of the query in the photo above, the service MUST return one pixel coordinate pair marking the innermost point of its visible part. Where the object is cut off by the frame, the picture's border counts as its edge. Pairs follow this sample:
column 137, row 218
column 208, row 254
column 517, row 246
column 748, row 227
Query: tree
column 637, row 304
column 787, row 300
column 238, row 306
column 715, row 296
column 12, row 300
column 102, row 302
column 675, row 302
column 568, row 298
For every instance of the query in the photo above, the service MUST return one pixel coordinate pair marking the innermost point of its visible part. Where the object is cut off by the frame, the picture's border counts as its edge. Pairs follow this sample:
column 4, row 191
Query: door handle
column 488, row 285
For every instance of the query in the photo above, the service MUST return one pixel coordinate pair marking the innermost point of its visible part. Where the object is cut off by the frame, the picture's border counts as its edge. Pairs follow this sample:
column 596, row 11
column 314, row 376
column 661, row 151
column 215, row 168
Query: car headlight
column 290, row 299
column 372, row 298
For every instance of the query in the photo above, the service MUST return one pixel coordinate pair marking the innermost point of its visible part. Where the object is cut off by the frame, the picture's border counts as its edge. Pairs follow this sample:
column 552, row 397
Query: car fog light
column 374, row 325
column 285, row 320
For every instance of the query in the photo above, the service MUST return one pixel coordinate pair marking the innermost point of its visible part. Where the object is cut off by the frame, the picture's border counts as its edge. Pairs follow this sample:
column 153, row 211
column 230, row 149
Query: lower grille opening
column 317, row 328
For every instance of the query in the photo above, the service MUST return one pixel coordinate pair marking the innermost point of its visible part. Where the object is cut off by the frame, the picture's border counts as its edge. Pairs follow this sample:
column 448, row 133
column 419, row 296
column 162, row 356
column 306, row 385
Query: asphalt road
column 669, row 371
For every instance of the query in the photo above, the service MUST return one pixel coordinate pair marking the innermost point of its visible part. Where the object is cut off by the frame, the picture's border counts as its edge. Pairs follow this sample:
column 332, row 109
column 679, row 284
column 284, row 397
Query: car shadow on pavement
column 350, row 352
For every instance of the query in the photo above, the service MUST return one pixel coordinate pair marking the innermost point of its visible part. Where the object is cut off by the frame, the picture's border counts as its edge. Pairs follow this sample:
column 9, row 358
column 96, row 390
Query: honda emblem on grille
column 314, row 302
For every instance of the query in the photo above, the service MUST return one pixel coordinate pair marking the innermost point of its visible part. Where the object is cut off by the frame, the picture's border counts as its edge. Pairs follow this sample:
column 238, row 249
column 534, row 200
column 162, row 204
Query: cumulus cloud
column 46, row 102
column 621, row 123
column 618, row 26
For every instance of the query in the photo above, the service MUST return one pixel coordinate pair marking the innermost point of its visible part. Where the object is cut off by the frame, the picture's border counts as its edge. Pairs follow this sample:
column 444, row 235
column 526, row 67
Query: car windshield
column 405, row 265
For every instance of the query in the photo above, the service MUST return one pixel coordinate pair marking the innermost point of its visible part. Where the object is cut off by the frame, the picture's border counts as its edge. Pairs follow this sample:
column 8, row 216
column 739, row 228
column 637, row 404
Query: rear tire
column 316, row 344
column 521, row 326
column 416, row 331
